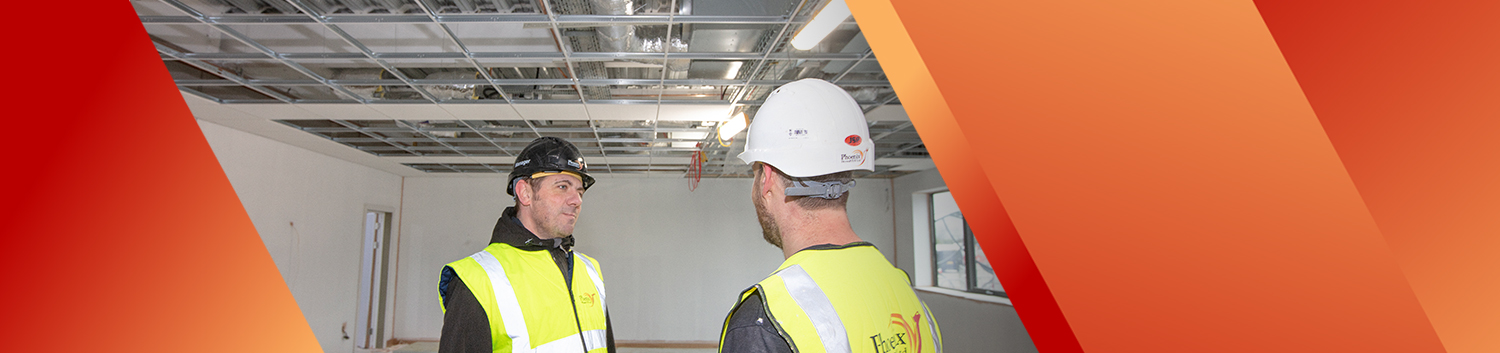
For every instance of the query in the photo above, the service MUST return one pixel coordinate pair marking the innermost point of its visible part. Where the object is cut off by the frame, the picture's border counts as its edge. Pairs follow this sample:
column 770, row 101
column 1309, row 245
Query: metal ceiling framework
column 249, row 71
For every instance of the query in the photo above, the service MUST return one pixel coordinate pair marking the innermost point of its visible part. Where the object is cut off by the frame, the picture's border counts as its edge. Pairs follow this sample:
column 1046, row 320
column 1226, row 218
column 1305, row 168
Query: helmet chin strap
column 829, row 190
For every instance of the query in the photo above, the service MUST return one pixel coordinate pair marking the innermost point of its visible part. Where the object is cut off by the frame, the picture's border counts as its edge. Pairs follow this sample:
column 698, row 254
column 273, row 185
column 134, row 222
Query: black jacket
column 466, row 329
column 750, row 330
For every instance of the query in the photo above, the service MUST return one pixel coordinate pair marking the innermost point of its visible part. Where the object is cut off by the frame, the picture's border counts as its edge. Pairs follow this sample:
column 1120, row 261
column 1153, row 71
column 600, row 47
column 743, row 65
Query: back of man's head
column 814, row 135
column 820, row 201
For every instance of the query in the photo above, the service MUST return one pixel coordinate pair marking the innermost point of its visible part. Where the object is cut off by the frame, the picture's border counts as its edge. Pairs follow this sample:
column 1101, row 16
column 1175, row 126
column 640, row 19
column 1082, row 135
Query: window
column 957, row 260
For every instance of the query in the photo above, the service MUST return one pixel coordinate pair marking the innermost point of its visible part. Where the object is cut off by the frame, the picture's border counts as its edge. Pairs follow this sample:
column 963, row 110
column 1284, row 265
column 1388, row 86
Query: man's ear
column 523, row 192
column 769, row 179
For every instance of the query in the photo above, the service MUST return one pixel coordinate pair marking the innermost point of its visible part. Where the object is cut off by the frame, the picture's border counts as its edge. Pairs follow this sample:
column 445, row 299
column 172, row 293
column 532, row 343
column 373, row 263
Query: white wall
column 968, row 325
column 673, row 261
column 309, row 210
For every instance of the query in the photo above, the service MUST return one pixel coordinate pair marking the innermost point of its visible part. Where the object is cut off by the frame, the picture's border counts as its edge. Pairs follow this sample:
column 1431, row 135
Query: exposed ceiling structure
column 458, row 87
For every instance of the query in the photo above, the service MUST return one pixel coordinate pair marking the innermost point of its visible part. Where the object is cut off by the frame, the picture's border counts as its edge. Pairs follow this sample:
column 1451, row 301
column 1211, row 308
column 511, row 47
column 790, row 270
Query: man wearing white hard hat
column 835, row 292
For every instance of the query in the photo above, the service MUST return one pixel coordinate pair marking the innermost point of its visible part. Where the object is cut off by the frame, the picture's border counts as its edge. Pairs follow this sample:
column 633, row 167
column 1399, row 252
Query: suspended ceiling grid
column 458, row 87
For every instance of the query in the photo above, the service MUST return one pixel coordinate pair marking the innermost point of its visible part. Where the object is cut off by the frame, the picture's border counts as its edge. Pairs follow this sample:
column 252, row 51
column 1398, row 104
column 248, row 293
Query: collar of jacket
column 508, row 230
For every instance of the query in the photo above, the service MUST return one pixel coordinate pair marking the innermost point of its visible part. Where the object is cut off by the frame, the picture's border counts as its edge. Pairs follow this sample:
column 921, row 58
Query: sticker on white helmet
column 857, row 156
column 797, row 134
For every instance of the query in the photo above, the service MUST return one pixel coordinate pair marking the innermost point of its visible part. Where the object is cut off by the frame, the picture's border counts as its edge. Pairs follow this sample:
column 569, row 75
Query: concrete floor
column 431, row 347
column 415, row 347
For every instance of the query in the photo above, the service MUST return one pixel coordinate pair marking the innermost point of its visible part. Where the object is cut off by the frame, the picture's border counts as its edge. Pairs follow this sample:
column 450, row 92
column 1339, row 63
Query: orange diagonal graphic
column 1161, row 168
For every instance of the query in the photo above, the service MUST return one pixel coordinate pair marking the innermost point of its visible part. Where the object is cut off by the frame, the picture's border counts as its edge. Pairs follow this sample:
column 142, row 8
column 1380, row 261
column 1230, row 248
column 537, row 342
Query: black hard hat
column 548, row 154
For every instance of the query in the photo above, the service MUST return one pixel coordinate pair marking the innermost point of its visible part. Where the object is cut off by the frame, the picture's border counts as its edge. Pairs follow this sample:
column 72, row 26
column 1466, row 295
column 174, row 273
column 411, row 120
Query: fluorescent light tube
column 821, row 25
column 733, row 126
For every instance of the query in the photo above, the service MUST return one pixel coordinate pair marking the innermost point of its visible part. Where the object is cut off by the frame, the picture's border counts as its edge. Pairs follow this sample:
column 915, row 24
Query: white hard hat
column 809, row 128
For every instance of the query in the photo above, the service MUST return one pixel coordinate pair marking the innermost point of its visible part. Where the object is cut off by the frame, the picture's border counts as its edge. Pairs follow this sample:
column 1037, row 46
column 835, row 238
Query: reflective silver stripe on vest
column 595, row 339
column 594, row 275
column 505, row 302
column 813, row 302
column 592, row 339
column 937, row 342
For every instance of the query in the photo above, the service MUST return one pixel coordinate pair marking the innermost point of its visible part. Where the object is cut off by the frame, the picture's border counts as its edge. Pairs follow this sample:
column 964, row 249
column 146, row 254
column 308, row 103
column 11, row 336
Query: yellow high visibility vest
column 528, row 304
column 843, row 301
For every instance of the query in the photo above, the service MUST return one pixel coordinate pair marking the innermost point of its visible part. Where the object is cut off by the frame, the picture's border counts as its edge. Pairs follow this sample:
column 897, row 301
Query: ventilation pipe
column 439, row 91
column 626, row 39
column 454, row 91
column 254, row 6
column 370, row 92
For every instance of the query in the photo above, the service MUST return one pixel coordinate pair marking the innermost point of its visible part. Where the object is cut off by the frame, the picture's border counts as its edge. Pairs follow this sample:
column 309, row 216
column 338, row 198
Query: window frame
column 971, row 263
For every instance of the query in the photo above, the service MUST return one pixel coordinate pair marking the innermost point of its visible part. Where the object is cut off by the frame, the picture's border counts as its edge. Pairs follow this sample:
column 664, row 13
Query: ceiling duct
column 368, row 92
column 452, row 91
column 583, row 43
column 614, row 38
column 621, row 38
column 409, row 6
column 865, row 94
column 254, row 6
column 636, row 40
column 362, row 6
column 440, row 91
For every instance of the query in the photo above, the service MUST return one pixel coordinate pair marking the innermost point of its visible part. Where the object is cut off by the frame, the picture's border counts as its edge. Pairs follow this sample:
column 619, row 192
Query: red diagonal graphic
column 122, row 232
column 1409, row 93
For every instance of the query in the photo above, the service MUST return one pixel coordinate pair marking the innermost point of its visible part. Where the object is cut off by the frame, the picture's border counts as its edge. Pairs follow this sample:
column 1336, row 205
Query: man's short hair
column 535, row 188
column 816, row 203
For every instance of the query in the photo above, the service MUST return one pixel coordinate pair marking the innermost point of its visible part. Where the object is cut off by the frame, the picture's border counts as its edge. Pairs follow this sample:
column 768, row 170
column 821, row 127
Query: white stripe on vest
column 505, row 302
column 932, row 328
column 593, row 339
column 818, row 308
column 594, row 275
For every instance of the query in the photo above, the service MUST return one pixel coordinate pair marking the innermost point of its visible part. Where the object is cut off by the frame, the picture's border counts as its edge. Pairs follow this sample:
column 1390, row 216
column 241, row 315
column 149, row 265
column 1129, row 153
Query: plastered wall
column 309, row 210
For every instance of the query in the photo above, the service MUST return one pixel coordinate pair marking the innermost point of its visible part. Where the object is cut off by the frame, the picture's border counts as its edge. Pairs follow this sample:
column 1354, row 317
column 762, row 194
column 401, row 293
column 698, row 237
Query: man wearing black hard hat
column 528, row 290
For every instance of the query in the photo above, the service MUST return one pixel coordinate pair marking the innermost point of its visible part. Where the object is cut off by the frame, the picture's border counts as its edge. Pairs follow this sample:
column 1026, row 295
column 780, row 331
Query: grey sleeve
column 750, row 330
column 466, row 329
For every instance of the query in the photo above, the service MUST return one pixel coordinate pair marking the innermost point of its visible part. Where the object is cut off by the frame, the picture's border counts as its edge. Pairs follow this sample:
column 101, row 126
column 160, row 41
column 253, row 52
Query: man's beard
column 552, row 225
column 549, row 220
column 768, row 229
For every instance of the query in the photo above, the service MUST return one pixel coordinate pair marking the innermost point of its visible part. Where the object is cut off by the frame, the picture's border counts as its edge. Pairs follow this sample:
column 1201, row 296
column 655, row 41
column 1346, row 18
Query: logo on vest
column 907, row 339
column 588, row 299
